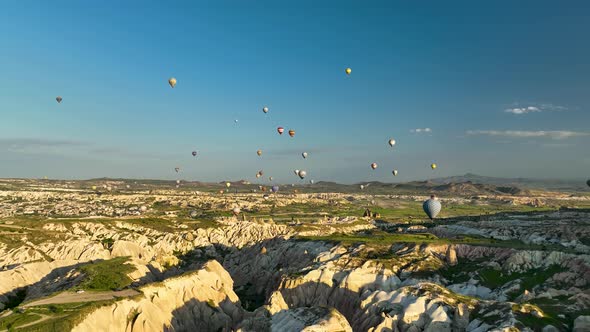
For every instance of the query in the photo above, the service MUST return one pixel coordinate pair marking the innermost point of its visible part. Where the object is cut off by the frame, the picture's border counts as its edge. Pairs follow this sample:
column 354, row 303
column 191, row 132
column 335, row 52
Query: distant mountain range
column 548, row 184
column 463, row 185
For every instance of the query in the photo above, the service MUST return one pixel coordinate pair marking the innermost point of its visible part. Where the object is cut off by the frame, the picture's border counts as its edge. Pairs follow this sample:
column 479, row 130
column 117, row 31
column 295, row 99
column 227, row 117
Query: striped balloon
column 432, row 207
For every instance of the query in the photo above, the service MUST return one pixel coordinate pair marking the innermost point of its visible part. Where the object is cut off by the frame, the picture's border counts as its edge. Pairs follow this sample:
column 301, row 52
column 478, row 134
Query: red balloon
column 280, row 130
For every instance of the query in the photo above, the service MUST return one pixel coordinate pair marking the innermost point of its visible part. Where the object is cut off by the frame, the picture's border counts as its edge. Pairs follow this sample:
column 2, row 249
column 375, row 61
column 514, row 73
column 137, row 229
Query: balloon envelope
column 348, row 71
column 194, row 153
column 58, row 99
column 432, row 207
column 227, row 184
column 280, row 130
column 177, row 169
column 374, row 165
column 304, row 155
column 394, row 172
column 291, row 132
column 172, row 82
column 275, row 189
column 259, row 152
column 392, row 142
column 302, row 174
column 265, row 109
column 433, row 166
column 588, row 182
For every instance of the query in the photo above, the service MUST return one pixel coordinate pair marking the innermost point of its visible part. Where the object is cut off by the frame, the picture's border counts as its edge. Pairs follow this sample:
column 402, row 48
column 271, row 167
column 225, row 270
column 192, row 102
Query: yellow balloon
column 433, row 166
column 348, row 71
column 172, row 81
column 227, row 184
column 259, row 152
column 93, row 187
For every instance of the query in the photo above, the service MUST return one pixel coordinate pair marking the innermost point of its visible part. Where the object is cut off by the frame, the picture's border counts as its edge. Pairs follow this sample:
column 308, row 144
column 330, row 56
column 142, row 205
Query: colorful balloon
column 348, row 71
column 291, row 132
column 259, row 153
column 280, row 130
column 433, row 166
column 275, row 188
column 432, row 207
column 374, row 165
column 172, row 82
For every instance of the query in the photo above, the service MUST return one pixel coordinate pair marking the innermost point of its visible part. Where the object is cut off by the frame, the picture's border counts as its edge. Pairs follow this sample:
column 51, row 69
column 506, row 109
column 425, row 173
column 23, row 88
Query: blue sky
column 503, row 87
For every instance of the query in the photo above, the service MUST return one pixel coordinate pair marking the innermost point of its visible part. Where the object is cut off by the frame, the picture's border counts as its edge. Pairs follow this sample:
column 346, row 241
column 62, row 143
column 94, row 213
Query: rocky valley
column 114, row 255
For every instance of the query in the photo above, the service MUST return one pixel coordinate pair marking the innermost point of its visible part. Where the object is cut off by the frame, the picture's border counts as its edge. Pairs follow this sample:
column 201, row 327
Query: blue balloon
column 275, row 189
column 432, row 207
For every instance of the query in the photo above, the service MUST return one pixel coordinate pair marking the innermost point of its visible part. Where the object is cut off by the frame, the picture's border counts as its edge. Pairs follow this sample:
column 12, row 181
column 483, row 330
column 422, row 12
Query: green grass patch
column 106, row 275
column 15, row 320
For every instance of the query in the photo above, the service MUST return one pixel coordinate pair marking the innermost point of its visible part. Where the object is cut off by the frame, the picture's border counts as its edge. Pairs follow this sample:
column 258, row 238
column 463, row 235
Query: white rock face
column 582, row 324
column 309, row 319
column 200, row 301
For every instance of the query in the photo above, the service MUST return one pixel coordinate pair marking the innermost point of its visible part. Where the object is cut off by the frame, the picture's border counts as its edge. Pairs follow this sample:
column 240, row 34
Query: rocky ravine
column 190, row 280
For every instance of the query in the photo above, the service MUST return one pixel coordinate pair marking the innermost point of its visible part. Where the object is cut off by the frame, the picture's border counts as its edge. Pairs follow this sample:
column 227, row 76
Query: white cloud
column 421, row 130
column 553, row 134
column 534, row 109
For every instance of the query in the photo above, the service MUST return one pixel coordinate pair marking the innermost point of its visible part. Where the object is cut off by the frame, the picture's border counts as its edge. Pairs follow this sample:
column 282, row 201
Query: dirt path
column 70, row 297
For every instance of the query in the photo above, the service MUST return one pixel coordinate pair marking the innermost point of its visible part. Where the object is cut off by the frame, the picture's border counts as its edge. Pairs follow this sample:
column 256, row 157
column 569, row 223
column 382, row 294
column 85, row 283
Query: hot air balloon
column 227, row 184
column 362, row 187
column 280, row 130
column 302, row 174
column 259, row 153
column 588, row 183
column 392, row 142
column 221, row 191
column 177, row 181
column 236, row 120
column 265, row 196
column 348, row 71
column 172, row 82
column 194, row 153
column 127, row 186
column 394, row 172
column 265, row 109
column 58, row 99
column 374, row 165
column 304, row 155
column 177, row 169
column 296, row 172
column 258, row 175
column 93, row 187
column 275, row 188
column 270, row 178
column 433, row 166
column 236, row 211
column 432, row 207
column 261, row 172
column 311, row 181
column 143, row 208
column 291, row 132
